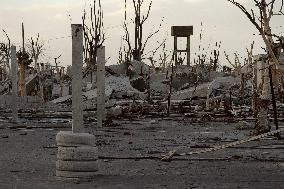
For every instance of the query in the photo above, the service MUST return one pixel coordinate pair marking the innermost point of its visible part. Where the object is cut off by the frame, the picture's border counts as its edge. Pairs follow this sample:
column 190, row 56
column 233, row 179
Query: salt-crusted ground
column 27, row 158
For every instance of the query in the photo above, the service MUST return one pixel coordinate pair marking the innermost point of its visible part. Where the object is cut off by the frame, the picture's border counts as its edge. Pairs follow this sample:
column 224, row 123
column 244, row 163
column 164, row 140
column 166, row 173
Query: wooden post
column 23, row 37
column 273, row 102
column 22, row 77
column 61, row 85
column 149, row 86
column 175, row 50
column 242, row 90
column 231, row 103
column 77, row 63
column 188, row 51
column 22, row 65
column 170, row 92
column 14, row 78
column 254, row 96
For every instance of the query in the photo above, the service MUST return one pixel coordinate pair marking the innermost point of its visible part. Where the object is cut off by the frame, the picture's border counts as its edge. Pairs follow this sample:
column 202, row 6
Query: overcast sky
column 52, row 18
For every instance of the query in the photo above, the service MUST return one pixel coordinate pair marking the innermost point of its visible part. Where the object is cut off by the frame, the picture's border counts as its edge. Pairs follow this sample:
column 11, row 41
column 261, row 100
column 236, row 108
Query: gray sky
column 221, row 22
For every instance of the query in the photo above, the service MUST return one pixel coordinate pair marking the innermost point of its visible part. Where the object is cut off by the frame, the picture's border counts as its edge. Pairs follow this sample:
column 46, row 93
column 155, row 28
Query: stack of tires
column 77, row 155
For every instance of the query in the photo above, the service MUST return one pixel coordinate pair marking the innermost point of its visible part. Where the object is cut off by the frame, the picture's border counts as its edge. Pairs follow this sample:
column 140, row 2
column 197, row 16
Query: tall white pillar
column 14, row 78
column 101, row 114
column 77, row 63
column 77, row 155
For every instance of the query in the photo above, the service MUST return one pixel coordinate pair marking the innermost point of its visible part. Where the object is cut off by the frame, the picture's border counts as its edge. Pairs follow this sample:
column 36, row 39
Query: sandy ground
column 27, row 157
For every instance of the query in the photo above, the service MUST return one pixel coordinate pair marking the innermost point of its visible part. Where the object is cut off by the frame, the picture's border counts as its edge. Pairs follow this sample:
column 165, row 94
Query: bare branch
column 94, row 35
column 244, row 10
column 148, row 13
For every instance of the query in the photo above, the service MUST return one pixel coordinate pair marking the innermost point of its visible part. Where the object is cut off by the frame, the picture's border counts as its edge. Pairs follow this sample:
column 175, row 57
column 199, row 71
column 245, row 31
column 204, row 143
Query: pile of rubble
column 138, row 89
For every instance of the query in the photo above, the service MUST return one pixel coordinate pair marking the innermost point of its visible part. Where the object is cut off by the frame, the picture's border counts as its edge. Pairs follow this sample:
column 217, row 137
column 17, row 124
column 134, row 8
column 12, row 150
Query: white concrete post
column 14, row 78
column 77, row 63
column 101, row 114
column 77, row 155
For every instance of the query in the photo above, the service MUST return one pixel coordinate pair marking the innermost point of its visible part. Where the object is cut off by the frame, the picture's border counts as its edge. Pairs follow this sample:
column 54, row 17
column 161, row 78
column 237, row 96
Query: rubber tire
column 82, row 153
column 77, row 166
column 70, row 174
column 68, row 138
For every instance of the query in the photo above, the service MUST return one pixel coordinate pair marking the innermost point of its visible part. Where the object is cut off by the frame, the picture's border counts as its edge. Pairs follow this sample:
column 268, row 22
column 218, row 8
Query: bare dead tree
column 151, row 54
column 24, row 61
column 215, row 53
column 238, row 62
column 5, row 53
column 165, row 63
column 120, row 52
column 127, row 48
column 228, row 59
column 206, row 58
column 94, row 32
column 262, row 22
column 35, row 49
column 139, row 20
column 207, row 54
column 250, row 54
column 233, row 64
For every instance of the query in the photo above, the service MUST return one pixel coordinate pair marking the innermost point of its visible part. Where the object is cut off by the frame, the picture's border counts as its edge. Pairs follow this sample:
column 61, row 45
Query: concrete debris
column 201, row 91
column 134, row 88
column 222, row 83
column 244, row 125
column 154, row 100
column 5, row 87
column 116, row 87
column 115, row 111
column 156, row 82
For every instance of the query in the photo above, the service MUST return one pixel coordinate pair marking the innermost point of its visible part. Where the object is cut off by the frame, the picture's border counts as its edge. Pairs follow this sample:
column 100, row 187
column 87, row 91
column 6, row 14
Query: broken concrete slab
column 114, row 84
column 200, row 91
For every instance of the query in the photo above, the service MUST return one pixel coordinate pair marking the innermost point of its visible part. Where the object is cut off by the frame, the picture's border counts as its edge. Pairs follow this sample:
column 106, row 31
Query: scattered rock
column 243, row 125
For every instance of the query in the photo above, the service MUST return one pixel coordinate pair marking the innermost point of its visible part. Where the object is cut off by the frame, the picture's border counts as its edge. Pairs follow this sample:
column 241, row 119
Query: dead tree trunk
column 5, row 55
column 35, row 48
column 170, row 91
column 139, row 21
column 262, row 24
column 22, row 66
column 22, row 82
column 23, row 61
column 94, row 35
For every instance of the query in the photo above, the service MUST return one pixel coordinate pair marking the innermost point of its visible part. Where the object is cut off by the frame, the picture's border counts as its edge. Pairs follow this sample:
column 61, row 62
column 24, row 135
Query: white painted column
column 77, row 63
column 14, row 78
column 77, row 155
column 101, row 114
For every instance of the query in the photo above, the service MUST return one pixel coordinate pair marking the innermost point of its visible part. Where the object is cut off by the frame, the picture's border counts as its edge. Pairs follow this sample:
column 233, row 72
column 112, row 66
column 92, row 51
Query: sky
column 52, row 19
